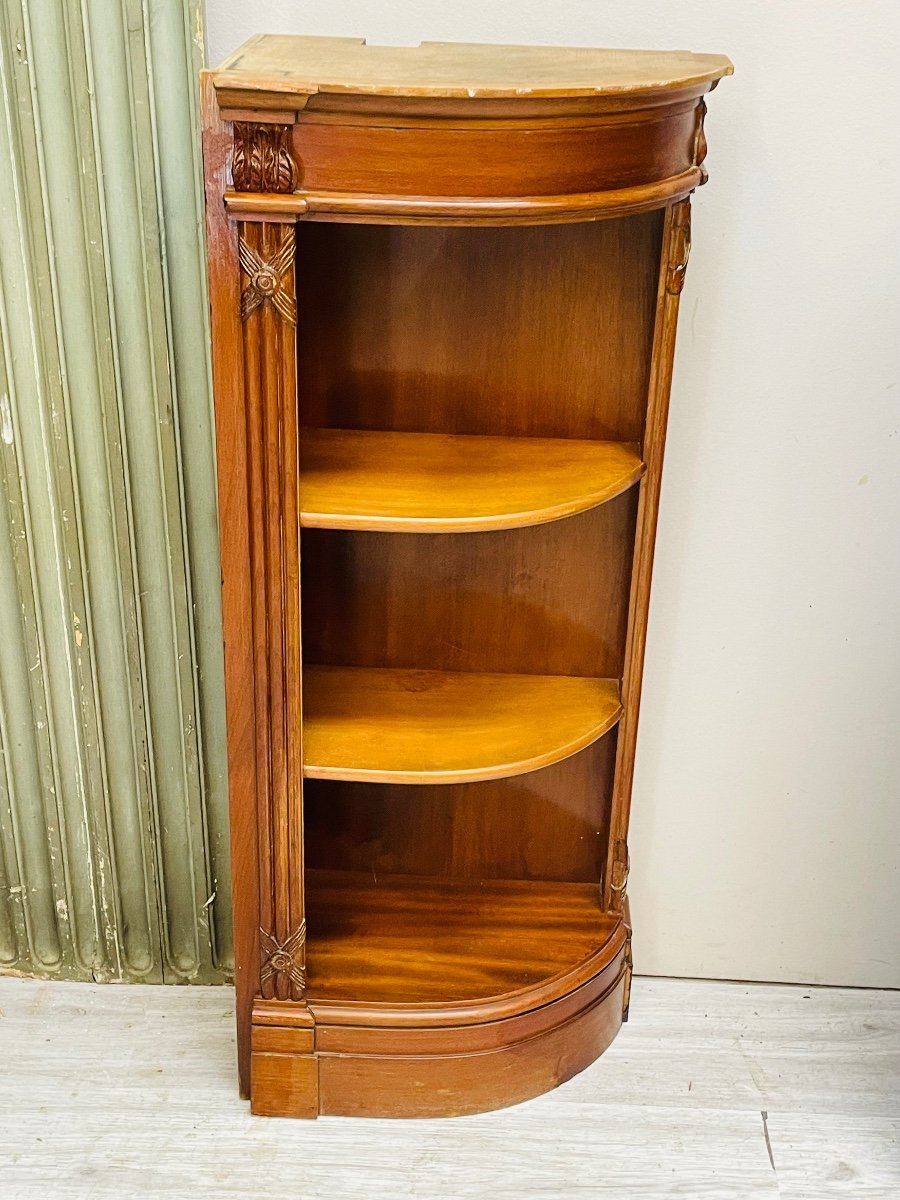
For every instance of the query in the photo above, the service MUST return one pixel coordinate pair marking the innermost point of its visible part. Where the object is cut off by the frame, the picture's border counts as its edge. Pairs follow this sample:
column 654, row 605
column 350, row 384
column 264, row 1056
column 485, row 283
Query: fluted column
column 113, row 812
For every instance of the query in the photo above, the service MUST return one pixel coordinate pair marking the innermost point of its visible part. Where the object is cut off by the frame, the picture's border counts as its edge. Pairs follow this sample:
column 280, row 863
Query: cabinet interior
column 517, row 332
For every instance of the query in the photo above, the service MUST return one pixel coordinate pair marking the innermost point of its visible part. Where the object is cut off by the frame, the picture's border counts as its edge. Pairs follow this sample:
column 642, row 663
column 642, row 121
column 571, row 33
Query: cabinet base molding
column 383, row 1066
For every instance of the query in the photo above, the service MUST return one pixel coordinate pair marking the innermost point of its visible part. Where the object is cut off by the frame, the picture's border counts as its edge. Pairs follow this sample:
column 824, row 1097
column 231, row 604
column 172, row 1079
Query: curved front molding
column 468, row 210
column 409, row 1062
column 534, row 156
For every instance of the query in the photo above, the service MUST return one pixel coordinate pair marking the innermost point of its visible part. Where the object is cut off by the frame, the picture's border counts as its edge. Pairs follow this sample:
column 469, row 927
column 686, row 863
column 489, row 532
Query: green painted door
column 113, row 804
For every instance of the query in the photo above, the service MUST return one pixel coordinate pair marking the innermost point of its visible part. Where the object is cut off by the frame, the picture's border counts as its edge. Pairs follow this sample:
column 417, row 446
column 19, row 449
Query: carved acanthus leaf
column 262, row 160
column 679, row 247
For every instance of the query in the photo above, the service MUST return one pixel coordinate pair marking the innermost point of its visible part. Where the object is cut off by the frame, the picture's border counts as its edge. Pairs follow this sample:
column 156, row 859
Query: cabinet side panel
column 540, row 331
column 228, row 381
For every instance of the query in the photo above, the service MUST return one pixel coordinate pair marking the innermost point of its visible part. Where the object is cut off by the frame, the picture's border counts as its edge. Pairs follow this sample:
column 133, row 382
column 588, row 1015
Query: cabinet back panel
column 536, row 330
column 547, row 599
column 549, row 824
column 541, row 331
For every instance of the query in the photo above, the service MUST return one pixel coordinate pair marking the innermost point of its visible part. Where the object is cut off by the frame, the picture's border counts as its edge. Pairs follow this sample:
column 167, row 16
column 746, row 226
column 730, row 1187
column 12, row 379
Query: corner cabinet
column 444, row 283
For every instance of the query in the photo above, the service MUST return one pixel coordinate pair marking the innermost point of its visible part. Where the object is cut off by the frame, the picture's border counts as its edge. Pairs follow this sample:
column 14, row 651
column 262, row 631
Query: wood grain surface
column 237, row 577
column 299, row 66
column 490, row 160
column 407, row 939
column 525, row 332
column 454, row 483
column 547, row 599
column 381, row 725
column 550, row 824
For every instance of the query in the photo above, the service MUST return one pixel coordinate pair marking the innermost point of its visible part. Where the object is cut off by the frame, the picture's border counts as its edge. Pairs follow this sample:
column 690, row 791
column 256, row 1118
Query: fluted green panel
column 113, row 808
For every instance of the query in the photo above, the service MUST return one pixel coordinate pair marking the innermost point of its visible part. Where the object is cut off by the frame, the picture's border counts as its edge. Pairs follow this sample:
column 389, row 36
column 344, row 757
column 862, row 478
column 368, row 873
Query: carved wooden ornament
column 266, row 278
column 262, row 160
column 700, row 146
column 286, row 958
column 680, row 247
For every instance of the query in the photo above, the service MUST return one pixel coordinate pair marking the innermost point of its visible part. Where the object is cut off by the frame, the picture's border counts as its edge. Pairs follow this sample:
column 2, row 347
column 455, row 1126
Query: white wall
column 767, row 801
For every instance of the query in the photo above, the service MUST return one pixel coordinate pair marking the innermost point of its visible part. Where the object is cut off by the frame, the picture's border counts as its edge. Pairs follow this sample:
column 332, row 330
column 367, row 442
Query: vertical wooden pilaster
column 269, row 317
column 676, row 245
column 253, row 307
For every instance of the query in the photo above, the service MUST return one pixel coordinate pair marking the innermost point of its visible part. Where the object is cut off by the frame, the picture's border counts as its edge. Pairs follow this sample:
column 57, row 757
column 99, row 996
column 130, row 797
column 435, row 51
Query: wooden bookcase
column 444, row 284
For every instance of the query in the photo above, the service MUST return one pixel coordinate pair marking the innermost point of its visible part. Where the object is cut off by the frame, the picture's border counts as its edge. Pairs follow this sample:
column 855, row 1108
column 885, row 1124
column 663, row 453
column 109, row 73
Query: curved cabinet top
column 280, row 70
column 335, row 129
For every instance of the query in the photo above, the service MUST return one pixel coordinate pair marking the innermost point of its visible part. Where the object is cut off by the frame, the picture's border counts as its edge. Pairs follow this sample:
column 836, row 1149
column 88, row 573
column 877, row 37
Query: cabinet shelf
column 399, row 726
column 406, row 939
column 454, row 483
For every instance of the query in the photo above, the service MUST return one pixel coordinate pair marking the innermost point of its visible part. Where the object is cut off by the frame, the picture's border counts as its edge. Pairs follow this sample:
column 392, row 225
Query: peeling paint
column 6, row 425
column 198, row 32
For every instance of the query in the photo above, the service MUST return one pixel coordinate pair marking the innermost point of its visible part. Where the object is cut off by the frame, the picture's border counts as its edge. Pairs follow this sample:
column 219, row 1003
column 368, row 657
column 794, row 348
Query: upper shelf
column 454, row 483
column 294, row 68
column 381, row 725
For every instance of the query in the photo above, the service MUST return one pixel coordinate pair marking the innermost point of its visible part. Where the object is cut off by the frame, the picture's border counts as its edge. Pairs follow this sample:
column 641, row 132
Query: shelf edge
column 472, row 775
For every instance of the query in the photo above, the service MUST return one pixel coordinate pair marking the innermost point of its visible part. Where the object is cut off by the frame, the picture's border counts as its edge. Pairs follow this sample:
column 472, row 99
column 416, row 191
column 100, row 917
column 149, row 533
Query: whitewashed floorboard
column 754, row 1046
column 831, row 1157
column 130, row 1091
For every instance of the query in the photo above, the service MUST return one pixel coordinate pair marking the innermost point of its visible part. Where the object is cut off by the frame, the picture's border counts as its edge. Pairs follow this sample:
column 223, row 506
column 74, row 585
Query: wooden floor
column 713, row 1091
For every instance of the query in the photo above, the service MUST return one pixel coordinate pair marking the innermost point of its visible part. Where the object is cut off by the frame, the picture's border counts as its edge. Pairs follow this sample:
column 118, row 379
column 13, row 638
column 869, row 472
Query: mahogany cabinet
column 445, row 283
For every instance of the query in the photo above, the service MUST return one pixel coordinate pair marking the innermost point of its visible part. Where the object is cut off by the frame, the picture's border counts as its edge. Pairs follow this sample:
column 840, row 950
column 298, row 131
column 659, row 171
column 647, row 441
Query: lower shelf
column 403, row 939
column 436, row 997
